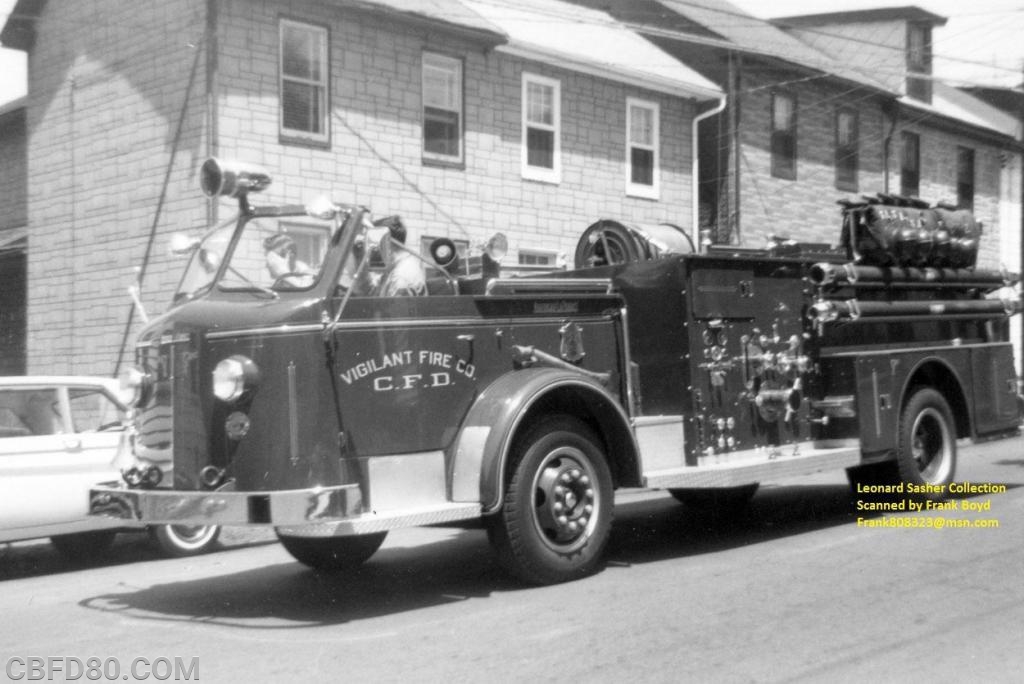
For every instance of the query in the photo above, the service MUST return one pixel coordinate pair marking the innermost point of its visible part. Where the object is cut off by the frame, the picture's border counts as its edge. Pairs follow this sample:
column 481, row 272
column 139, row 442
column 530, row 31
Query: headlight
column 135, row 385
column 233, row 376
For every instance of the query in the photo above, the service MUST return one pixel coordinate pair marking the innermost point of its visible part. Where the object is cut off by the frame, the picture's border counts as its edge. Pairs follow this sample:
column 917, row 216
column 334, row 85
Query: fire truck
column 305, row 402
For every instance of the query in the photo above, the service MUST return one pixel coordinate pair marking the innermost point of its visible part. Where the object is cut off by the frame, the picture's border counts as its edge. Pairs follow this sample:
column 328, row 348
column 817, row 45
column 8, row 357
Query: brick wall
column 13, row 174
column 375, row 153
column 804, row 209
column 108, row 81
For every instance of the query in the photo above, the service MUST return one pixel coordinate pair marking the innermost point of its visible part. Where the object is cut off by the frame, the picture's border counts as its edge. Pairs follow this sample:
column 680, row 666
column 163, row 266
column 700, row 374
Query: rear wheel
column 557, row 512
column 926, row 450
column 84, row 546
column 332, row 554
column 178, row 541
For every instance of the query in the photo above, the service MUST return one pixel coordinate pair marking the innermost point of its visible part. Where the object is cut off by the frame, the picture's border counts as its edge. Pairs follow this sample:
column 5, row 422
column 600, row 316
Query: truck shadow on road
column 457, row 564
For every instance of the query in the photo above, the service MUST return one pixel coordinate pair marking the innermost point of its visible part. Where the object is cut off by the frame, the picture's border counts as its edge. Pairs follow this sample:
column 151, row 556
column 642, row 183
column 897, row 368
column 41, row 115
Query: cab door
column 55, row 443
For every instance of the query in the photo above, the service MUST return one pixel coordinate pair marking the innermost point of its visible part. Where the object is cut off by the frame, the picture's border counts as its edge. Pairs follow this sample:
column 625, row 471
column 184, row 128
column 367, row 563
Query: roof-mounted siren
column 608, row 242
column 231, row 178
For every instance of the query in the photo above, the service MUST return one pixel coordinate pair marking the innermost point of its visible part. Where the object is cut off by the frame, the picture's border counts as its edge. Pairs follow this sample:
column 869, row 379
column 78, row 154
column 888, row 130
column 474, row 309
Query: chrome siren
column 231, row 178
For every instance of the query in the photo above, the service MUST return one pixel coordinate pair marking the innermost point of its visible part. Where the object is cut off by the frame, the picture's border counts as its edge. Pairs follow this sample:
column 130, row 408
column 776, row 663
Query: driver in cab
column 283, row 262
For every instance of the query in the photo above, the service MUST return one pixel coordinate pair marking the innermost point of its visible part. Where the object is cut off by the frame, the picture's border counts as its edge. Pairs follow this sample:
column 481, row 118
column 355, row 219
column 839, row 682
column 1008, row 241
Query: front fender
column 482, row 448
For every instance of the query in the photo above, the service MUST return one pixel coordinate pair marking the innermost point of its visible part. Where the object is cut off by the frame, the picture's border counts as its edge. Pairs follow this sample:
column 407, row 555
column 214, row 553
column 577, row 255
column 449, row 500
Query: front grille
column 154, row 422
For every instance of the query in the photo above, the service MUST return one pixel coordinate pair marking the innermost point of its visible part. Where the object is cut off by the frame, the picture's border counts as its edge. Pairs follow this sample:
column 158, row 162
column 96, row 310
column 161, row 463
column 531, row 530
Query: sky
column 980, row 44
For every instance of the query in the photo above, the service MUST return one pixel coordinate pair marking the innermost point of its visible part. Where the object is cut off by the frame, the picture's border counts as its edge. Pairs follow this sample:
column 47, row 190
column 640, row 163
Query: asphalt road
column 793, row 589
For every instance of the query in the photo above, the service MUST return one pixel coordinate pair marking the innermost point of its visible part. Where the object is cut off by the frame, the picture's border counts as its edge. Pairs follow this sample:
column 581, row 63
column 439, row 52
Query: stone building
column 533, row 117
column 463, row 117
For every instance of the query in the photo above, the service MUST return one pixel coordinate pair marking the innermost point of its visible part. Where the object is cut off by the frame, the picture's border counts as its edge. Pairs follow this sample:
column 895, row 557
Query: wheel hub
column 564, row 499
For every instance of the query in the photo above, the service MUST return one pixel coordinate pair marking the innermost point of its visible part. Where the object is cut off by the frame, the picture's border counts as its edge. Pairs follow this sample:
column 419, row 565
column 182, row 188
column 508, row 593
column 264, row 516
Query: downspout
column 212, row 54
column 694, row 152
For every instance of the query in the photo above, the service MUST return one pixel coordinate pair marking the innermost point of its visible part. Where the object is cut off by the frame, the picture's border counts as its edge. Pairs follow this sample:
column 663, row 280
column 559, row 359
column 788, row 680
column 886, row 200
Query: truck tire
column 180, row 541
column 332, row 554
column 84, row 547
column 717, row 501
column 556, row 516
column 926, row 446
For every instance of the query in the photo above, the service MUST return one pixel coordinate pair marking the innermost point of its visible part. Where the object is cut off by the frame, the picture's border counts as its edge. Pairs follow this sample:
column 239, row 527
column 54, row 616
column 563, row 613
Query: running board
column 788, row 461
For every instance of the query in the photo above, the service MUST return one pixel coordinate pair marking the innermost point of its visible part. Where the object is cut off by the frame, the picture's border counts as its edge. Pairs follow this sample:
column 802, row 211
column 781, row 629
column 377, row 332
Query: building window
column 442, row 108
column 542, row 148
column 910, row 165
column 642, row 143
column 530, row 257
column 847, row 143
column 783, row 136
column 965, row 178
column 304, row 78
column 310, row 241
column 919, row 61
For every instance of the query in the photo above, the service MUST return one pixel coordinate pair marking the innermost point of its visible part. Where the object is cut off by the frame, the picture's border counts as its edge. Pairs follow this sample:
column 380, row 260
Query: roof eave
column 641, row 79
column 488, row 36
column 19, row 31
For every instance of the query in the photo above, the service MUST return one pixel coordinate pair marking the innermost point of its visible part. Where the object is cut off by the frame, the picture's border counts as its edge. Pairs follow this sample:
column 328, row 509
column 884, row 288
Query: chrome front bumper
column 221, row 507
column 317, row 512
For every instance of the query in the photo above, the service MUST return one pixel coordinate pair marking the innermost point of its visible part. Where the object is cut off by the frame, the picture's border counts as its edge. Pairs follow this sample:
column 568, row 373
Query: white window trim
column 537, row 173
column 652, row 191
column 440, row 60
column 297, row 134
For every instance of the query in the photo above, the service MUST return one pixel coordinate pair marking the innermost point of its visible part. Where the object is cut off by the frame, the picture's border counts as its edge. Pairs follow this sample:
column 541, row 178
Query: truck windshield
column 272, row 254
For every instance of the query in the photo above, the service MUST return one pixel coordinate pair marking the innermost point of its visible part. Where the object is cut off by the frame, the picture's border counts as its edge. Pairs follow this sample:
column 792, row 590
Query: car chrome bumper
column 222, row 507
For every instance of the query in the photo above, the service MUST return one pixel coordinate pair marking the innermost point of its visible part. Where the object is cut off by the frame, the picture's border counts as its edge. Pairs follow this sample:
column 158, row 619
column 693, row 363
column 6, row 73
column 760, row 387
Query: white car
column 58, row 437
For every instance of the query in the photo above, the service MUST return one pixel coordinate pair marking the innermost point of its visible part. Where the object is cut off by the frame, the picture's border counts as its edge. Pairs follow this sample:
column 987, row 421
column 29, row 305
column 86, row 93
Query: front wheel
column 179, row 541
column 556, row 516
column 926, row 450
column 332, row 554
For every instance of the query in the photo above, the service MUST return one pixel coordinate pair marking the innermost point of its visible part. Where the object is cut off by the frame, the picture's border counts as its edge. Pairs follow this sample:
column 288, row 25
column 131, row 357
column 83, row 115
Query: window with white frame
column 542, row 148
column 442, row 107
column 642, row 142
column 303, row 81
column 538, row 258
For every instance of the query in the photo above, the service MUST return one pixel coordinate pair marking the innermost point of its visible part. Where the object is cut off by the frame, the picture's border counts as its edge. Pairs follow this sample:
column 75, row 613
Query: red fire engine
column 294, row 400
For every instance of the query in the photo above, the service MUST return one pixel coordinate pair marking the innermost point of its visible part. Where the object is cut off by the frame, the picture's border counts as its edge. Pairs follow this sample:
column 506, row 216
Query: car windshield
column 272, row 254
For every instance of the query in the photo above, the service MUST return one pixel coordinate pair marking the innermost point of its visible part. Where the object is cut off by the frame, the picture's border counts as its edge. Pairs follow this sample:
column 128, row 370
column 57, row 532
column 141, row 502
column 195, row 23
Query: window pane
column 782, row 116
column 29, row 412
column 909, row 171
column 540, row 104
column 965, row 178
column 441, row 132
column 92, row 410
column 641, row 166
column 540, row 148
column 846, row 131
column 301, row 108
column 641, row 126
column 301, row 53
column 440, row 88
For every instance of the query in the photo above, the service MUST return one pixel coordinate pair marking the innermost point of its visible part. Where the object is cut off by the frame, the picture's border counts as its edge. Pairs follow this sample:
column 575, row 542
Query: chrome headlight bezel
column 233, row 377
column 135, row 385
